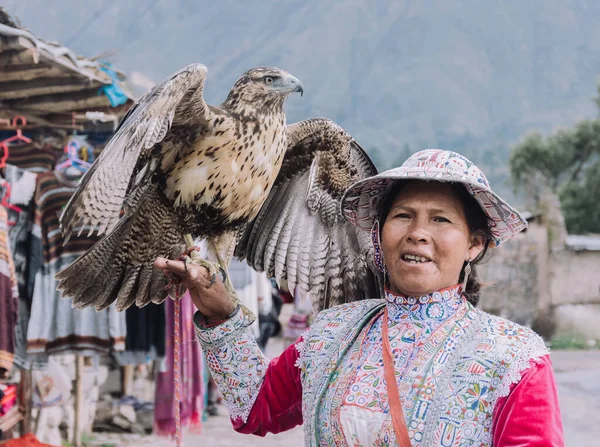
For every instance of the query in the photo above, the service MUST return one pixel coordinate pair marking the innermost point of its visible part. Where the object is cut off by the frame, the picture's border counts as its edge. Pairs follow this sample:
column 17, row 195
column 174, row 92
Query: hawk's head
column 263, row 88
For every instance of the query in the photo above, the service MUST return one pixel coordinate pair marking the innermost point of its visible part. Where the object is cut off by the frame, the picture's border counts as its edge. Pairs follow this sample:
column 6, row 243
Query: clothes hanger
column 18, row 137
column 73, row 159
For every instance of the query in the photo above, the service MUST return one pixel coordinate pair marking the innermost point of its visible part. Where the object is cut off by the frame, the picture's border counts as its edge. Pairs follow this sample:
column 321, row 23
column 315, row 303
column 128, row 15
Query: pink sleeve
column 278, row 406
column 530, row 414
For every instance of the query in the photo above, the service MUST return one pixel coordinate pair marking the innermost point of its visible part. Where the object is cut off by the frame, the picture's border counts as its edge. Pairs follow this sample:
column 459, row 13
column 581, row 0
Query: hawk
column 235, row 175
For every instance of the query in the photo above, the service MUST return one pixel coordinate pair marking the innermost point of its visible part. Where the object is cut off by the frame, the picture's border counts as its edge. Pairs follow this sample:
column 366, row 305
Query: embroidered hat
column 359, row 204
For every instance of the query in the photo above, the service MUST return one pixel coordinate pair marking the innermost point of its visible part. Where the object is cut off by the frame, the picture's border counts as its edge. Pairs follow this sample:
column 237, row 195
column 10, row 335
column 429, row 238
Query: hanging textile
column 28, row 440
column 54, row 326
column 145, row 339
column 32, row 157
column 8, row 397
column 9, row 298
column 113, row 92
column 23, row 164
column 22, row 189
column 192, row 384
column 26, row 256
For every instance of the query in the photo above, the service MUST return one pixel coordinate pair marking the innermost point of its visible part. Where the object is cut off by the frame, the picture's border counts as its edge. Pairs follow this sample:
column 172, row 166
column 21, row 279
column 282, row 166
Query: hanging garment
column 23, row 164
column 8, row 397
column 32, row 157
column 9, row 298
column 192, row 384
column 54, row 325
column 22, row 189
column 145, row 340
column 26, row 256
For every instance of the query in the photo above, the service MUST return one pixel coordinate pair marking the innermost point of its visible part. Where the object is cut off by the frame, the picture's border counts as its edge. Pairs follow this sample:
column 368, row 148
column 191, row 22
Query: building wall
column 575, row 286
column 575, row 277
column 511, row 274
column 529, row 283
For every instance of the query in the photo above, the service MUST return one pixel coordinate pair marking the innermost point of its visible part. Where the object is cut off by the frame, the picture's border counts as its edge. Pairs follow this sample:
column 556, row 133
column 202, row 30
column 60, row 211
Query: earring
column 377, row 251
column 467, row 272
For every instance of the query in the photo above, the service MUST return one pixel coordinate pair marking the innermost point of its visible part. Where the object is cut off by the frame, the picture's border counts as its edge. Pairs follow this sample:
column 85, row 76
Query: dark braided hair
column 476, row 220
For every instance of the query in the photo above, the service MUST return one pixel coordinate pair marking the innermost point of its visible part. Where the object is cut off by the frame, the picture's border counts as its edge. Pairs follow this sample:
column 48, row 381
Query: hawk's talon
column 186, row 261
column 213, row 279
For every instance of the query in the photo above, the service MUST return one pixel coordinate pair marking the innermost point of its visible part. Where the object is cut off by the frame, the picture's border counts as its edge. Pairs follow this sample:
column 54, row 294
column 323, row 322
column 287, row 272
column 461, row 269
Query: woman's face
column 426, row 239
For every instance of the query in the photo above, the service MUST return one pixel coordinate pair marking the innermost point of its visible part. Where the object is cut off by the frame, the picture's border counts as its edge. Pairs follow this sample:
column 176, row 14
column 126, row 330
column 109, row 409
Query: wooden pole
column 25, row 400
column 127, row 380
column 78, row 401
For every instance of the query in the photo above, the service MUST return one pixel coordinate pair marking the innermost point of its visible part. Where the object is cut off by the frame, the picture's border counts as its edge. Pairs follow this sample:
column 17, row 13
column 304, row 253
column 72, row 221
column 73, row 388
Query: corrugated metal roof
column 581, row 242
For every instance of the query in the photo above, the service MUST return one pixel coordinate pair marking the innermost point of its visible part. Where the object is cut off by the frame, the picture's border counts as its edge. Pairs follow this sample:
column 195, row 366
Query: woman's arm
column 530, row 414
column 261, row 397
column 278, row 406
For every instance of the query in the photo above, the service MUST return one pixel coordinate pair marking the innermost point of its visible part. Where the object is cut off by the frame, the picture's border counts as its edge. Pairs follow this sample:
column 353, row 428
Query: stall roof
column 51, row 85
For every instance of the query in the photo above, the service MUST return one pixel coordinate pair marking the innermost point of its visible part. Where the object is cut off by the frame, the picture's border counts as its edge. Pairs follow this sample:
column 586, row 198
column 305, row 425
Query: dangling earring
column 377, row 251
column 467, row 272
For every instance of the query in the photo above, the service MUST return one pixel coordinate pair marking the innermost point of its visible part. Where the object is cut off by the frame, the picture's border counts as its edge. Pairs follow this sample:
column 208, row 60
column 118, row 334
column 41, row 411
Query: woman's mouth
column 414, row 259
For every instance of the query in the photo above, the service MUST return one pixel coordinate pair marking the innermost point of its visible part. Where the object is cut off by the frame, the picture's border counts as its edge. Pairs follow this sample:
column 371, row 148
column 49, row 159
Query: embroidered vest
column 472, row 364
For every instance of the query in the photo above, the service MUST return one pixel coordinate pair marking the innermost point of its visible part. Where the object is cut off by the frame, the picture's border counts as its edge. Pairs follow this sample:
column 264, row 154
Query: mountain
column 469, row 75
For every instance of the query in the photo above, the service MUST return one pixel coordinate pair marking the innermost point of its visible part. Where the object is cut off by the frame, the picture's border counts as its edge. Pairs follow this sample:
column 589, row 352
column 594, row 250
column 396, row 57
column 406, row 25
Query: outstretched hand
column 212, row 301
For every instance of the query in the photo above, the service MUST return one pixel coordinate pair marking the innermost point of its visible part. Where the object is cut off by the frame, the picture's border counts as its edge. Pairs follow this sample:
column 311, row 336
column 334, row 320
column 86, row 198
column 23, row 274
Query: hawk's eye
column 269, row 80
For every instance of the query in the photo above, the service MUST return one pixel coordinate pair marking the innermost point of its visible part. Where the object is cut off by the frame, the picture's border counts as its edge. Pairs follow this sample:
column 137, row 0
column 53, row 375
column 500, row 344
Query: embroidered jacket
column 457, row 370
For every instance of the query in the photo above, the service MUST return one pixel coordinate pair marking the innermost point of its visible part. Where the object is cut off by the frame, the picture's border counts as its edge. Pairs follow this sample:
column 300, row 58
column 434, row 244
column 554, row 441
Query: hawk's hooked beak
column 293, row 84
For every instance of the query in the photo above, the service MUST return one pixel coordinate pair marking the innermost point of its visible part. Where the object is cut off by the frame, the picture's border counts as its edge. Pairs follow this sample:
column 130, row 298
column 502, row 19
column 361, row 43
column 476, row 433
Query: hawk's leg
column 192, row 255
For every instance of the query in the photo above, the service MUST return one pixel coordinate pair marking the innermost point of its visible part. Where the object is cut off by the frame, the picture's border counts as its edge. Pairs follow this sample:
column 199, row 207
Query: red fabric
column 278, row 406
column 528, row 416
column 28, row 440
column 10, row 397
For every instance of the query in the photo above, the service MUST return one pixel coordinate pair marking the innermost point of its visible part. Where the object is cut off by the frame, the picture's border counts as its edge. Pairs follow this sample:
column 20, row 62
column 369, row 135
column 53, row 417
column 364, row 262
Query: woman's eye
column 269, row 80
column 403, row 216
column 440, row 219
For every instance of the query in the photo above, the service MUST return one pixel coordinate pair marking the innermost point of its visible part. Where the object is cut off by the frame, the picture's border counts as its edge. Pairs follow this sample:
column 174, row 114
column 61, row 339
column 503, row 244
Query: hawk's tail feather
column 120, row 266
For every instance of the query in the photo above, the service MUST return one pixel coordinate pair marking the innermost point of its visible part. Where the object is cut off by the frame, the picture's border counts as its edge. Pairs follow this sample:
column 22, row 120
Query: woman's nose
column 417, row 233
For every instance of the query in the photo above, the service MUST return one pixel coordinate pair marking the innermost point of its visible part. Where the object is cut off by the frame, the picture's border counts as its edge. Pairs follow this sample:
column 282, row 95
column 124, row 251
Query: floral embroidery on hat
column 359, row 204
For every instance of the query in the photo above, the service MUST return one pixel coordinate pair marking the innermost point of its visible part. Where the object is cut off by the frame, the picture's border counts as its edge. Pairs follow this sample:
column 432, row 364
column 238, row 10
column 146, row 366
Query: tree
column 567, row 163
column 580, row 202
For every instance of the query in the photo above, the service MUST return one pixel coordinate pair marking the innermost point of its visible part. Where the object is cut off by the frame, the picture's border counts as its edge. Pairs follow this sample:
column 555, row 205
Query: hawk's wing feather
column 299, row 234
column 100, row 196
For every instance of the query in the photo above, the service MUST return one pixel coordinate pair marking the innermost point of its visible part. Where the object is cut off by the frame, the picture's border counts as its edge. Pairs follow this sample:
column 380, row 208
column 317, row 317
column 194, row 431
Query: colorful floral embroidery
column 236, row 363
column 453, row 363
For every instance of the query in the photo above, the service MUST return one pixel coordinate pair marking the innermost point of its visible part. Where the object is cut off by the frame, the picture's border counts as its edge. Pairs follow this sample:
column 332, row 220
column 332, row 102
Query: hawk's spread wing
column 300, row 234
column 101, row 194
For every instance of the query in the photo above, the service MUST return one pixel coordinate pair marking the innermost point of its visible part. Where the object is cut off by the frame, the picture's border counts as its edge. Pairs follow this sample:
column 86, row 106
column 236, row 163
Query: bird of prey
column 235, row 175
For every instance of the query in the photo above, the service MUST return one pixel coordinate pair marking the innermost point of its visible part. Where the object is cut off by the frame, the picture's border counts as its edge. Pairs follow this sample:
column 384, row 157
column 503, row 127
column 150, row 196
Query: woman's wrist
column 215, row 320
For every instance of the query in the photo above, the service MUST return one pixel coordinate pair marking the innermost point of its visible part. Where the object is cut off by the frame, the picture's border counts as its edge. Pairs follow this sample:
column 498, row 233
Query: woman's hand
column 211, row 301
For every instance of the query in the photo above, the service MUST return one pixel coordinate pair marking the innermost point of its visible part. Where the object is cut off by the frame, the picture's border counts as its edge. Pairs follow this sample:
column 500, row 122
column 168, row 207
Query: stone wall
column 551, row 285
column 575, row 277
column 512, row 276
column 575, row 293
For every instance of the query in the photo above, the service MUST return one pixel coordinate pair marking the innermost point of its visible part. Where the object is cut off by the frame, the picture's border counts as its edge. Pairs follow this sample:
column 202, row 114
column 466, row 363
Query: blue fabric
column 113, row 92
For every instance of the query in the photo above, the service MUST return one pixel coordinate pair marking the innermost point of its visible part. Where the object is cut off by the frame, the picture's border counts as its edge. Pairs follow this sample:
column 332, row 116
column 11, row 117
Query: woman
column 420, row 367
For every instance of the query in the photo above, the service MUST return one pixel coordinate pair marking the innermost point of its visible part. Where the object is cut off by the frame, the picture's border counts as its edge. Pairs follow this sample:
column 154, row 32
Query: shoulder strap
column 395, row 404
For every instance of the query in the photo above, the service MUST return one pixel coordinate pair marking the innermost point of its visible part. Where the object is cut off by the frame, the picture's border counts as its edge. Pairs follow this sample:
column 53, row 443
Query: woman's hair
column 476, row 220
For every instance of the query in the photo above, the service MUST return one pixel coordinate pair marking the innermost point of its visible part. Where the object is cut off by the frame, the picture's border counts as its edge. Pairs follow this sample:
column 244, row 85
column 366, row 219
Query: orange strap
column 393, row 393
